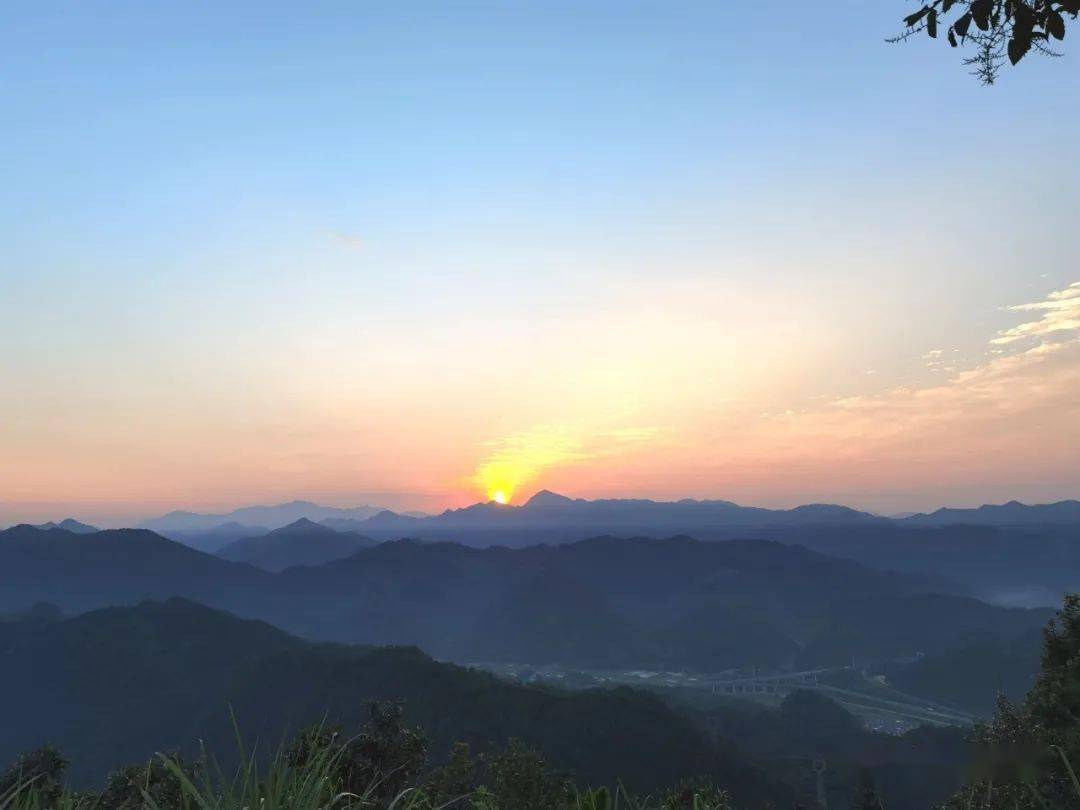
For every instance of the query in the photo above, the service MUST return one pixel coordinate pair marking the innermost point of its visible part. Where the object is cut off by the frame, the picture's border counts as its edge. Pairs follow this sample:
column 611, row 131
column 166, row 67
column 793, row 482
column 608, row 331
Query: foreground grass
column 320, row 772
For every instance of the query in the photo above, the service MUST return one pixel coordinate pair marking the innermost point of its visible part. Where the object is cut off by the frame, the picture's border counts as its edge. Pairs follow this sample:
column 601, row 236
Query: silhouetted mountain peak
column 1011, row 513
column 303, row 526
column 829, row 511
column 272, row 517
column 72, row 525
column 545, row 498
column 68, row 524
column 302, row 542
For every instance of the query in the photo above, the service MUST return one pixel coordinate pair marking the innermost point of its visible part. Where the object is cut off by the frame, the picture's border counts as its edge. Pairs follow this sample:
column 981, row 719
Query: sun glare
column 520, row 458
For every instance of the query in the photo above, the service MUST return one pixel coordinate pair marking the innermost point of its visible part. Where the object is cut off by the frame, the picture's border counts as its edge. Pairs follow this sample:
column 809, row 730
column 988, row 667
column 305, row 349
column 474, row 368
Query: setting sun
column 500, row 497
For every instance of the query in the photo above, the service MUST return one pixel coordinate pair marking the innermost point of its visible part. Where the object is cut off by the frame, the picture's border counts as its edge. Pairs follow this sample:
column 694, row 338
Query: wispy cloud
column 1026, row 398
column 1060, row 318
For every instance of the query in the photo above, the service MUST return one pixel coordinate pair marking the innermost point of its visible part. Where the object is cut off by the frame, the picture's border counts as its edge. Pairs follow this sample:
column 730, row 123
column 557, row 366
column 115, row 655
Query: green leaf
column 912, row 19
column 931, row 24
column 1055, row 25
column 980, row 12
column 952, row 38
column 1024, row 16
column 1018, row 46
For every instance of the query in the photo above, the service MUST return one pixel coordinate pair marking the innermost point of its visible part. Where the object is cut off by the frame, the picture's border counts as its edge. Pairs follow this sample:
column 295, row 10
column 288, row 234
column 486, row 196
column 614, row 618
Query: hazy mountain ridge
column 1012, row 513
column 300, row 543
column 69, row 525
column 646, row 602
column 1019, row 554
column 1028, row 560
column 272, row 517
column 171, row 671
column 1012, row 554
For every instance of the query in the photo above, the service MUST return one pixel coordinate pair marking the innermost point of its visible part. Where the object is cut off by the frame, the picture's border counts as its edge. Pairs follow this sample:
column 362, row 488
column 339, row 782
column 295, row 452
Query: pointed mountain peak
column 68, row 525
column 304, row 526
column 76, row 526
column 546, row 498
column 390, row 515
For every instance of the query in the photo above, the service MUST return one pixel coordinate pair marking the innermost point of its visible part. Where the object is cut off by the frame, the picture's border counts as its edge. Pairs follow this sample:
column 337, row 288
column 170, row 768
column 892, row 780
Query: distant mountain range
column 602, row 602
column 1012, row 553
column 552, row 518
column 548, row 517
column 69, row 525
column 1012, row 513
column 271, row 517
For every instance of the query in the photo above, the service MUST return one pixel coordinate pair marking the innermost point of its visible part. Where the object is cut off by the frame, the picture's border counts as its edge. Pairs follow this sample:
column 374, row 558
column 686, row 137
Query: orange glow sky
column 377, row 255
column 656, row 405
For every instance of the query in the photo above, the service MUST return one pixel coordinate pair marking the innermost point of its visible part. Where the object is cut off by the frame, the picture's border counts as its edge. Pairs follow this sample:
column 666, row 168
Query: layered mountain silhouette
column 1011, row 553
column 300, row 543
column 69, row 525
column 565, row 518
column 164, row 674
column 604, row 602
column 215, row 539
column 272, row 517
column 1012, row 513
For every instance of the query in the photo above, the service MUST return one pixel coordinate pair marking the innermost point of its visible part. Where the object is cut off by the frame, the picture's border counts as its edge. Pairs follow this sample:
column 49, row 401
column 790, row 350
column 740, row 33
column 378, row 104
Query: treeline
column 382, row 767
column 1028, row 756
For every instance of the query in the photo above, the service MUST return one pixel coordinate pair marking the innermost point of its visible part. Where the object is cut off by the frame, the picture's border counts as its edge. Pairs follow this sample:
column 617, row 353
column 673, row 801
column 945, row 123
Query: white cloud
column 1060, row 318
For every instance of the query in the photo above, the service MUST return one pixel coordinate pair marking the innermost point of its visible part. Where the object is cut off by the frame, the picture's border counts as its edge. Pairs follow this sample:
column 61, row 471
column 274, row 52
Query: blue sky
column 227, row 227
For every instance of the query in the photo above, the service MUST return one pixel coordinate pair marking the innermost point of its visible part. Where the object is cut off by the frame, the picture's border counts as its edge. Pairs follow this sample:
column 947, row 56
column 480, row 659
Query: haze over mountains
column 300, row 543
column 600, row 603
column 1012, row 553
column 268, row 517
column 565, row 516
column 568, row 517
column 69, row 525
column 1012, row 513
column 921, row 610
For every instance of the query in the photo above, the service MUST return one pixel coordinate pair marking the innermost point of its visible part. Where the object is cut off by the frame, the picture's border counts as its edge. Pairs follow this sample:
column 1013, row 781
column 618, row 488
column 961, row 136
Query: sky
column 423, row 254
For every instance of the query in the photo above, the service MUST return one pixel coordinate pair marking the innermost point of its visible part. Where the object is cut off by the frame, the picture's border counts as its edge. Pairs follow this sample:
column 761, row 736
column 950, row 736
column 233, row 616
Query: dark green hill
column 889, row 627
column 972, row 675
column 116, row 685
column 80, row 572
column 719, row 636
column 556, row 618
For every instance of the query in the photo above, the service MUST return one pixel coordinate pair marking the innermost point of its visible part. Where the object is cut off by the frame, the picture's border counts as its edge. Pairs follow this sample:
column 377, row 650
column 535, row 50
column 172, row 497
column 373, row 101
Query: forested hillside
column 603, row 602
